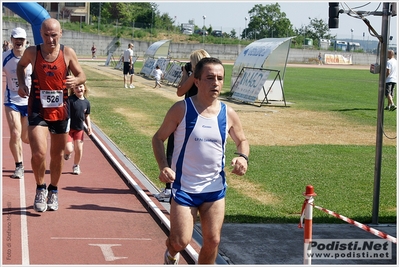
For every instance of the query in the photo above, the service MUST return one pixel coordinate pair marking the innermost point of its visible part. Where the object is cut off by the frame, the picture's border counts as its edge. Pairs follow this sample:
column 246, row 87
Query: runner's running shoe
column 18, row 173
column 40, row 204
column 52, row 200
column 170, row 260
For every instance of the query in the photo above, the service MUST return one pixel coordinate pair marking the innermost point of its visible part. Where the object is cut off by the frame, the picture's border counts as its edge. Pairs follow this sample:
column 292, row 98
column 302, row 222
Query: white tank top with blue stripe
column 11, row 96
column 199, row 148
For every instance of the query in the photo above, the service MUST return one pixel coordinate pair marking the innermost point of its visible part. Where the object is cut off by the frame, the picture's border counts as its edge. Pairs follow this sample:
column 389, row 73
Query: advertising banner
column 148, row 66
column 174, row 73
column 162, row 63
column 337, row 59
column 267, row 53
column 249, row 84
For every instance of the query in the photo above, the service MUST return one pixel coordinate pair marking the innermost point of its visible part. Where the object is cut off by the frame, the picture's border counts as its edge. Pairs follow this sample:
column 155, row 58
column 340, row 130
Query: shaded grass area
column 342, row 175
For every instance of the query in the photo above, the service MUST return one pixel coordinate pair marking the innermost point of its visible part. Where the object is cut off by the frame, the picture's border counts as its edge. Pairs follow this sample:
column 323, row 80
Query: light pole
column 152, row 19
column 389, row 43
column 245, row 30
column 364, row 34
column 350, row 47
column 203, row 33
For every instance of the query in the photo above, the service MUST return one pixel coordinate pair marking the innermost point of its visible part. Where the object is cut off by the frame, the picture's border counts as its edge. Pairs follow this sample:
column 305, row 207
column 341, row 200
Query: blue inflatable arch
column 33, row 13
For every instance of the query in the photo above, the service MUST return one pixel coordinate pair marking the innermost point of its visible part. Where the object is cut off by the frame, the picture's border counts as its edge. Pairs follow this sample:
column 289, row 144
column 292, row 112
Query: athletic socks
column 41, row 186
column 52, row 188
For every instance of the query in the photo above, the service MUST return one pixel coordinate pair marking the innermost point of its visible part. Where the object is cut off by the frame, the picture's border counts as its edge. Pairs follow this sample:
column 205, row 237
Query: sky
column 228, row 15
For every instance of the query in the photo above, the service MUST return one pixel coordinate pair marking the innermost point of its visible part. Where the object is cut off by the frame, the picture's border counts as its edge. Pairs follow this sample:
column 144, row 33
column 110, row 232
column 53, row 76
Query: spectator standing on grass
column 93, row 52
column 128, row 65
column 201, row 125
column 48, row 106
column 80, row 114
column 320, row 59
column 158, row 74
column 16, row 107
column 187, row 88
column 391, row 79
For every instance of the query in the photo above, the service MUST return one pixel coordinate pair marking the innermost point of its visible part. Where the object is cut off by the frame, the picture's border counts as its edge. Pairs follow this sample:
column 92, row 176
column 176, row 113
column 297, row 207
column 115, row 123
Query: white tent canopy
column 267, row 53
column 158, row 49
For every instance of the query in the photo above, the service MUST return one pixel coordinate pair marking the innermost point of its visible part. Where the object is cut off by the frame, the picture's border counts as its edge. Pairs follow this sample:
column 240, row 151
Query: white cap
column 18, row 33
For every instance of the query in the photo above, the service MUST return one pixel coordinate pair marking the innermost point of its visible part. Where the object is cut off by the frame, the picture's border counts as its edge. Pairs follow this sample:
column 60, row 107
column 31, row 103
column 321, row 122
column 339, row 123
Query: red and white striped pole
column 307, row 210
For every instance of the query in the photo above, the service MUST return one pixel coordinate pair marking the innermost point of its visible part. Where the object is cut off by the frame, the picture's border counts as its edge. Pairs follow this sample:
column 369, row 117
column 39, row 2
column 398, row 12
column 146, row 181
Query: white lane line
column 24, row 224
column 100, row 238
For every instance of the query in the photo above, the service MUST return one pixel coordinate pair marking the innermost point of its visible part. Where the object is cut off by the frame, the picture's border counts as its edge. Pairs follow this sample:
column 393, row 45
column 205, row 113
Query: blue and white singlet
column 11, row 96
column 198, row 155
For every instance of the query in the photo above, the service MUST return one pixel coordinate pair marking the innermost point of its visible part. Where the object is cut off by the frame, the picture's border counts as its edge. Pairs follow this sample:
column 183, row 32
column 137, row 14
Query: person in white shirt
column 391, row 79
column 201, row 125
column 158, row 74
column 128, row 65
column 16, row 107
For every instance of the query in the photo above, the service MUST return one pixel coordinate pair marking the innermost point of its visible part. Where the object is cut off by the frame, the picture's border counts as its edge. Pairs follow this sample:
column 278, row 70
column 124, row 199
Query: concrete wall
column 82, row 42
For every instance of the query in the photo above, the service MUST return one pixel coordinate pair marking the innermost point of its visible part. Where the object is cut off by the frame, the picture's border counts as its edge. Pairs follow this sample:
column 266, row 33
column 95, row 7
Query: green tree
column 266, row 21
column 233, row 34
column 164, row 21
column 144, row 13
column 316, row 29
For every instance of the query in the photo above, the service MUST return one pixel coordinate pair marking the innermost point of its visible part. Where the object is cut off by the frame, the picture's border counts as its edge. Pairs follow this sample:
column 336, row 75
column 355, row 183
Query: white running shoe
column 76, row 169
column 40, row 203
column 18, row 173
column 164, row 195
column 170, row 260
column 52, row 200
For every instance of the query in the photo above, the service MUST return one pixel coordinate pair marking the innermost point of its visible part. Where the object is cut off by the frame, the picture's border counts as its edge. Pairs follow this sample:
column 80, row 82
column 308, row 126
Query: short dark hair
column 203, row 62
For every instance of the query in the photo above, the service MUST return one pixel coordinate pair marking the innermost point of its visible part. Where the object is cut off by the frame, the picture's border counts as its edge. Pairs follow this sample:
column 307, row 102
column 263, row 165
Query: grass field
column 271, row 191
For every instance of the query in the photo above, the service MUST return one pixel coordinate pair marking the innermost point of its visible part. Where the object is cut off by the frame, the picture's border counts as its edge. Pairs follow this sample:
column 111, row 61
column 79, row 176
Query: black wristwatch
column 242, row 155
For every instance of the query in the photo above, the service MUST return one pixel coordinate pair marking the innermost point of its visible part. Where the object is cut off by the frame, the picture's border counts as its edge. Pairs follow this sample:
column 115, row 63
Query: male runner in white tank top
column 16, row 107
column 200, row 125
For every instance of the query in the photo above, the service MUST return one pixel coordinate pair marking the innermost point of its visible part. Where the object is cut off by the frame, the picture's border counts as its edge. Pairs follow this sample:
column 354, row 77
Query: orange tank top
column 49, row 95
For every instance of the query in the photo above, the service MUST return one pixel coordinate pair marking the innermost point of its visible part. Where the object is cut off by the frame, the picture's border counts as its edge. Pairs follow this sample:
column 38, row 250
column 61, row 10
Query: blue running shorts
column 196, row 200
column 21, row 109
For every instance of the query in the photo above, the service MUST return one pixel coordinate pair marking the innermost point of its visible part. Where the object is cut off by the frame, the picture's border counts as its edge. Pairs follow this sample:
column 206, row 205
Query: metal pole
column 99, row 19
column 245, row 28
column 203, row 35
column 152, row 20
column 221, row 36
column 380, row 113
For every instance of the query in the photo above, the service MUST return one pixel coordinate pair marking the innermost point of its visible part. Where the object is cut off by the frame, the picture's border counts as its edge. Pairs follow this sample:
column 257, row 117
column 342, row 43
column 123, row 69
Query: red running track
column 100, row 220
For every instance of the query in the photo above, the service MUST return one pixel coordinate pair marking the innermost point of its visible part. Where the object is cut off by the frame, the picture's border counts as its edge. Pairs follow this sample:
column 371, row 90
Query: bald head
column 51, row 33
column 51, row 25
column 391, row 54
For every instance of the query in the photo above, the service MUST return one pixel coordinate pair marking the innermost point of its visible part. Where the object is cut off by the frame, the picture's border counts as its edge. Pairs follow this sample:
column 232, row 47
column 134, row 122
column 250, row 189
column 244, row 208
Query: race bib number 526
column 51, row 98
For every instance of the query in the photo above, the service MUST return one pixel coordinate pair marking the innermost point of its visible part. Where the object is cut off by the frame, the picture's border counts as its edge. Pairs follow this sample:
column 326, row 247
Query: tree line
column 265, row 21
